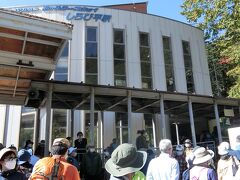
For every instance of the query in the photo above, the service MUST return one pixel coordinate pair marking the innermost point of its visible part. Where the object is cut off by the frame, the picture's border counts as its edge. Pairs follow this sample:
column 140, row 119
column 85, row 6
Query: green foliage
column 220, row 21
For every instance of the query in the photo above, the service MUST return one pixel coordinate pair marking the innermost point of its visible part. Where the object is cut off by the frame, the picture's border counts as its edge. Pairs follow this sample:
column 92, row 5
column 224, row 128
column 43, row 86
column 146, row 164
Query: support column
column 72, row 124
column 36, row 128
column 192, row 122
column 48, row 119
column 218, row 122
column 129, row 117
column 92, row 117
column 163, row 116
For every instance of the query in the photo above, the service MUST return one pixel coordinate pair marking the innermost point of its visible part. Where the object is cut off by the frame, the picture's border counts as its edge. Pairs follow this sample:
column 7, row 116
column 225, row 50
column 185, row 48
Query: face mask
column 187, row 145
column 91, row 149
column 10, row 164
column 179, row 153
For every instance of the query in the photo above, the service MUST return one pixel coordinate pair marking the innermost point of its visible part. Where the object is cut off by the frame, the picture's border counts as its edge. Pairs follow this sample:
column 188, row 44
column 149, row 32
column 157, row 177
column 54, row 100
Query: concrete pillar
column 69, row 126
column 129, row 117
column 48, row 119
column 163, row 120
column 36, row 128
column 218, row 122
column 192, row 122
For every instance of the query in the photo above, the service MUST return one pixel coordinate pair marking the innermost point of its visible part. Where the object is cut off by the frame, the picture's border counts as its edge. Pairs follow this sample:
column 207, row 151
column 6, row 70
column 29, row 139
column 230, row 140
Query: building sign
column 81, row 12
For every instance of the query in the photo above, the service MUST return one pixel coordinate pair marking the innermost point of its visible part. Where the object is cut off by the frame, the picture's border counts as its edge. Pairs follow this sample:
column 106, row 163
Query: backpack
column 47, row 169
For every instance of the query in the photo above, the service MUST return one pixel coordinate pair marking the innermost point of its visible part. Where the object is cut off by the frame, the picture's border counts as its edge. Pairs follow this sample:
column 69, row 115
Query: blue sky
column 167, row 8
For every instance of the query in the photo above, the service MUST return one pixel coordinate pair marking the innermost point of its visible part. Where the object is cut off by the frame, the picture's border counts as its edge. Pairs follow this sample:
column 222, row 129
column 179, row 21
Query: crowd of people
column 68, row 161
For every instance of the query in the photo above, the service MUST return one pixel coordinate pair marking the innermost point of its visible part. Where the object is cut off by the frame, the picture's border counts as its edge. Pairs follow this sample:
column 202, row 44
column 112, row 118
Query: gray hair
column 165, row 145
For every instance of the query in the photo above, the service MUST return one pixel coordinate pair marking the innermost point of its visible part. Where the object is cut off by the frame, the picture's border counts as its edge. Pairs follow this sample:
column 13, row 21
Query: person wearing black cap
column 28, row 144
column 8, row 161
column 23, row 162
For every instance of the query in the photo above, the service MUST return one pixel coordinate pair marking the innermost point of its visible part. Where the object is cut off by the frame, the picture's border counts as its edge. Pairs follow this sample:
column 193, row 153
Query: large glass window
column 91, row 65
column 148, row 118
column 145, row 57
column 122, row 127
column 59, row 123
column 61, row 72
column 188, row 66
column 87, row 127
column 168, row 60
column 119, row 58
column 26, row 125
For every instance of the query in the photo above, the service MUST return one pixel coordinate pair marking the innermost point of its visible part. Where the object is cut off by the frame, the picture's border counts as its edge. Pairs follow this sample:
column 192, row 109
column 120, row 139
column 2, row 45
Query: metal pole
column 192, row 122
column 218, row 122
column 102, row 130
column 154, row 131
column 72, row 123
column 92, row 117
column 163, row 117
column 48, row 119
column 129, row 117
column 177, row 134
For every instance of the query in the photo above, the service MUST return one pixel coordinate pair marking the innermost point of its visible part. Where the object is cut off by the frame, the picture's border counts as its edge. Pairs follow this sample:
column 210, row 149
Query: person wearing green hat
column 125, row 163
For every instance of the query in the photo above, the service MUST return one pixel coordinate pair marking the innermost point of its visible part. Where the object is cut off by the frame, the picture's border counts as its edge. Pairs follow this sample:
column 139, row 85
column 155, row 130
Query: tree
column 220, row 20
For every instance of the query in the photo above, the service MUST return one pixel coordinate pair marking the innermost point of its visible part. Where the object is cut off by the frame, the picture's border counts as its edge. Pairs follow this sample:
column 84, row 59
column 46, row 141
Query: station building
column 123, row 46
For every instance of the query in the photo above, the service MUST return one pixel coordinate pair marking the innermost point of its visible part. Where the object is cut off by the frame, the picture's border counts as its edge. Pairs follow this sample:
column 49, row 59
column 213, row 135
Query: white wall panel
column 179, row 70
column 132, row 53
column 109, row 127
column 77, row 63
column 2, row 122
column 13, row 126
column 158, row 69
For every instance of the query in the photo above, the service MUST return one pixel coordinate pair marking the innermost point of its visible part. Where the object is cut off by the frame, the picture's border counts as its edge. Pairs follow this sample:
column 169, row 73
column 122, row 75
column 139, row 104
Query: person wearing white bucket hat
column 227, row 165
column 201, row 170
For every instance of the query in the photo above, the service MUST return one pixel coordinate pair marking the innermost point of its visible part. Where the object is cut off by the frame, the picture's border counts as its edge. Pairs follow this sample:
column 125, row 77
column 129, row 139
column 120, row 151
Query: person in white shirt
column 164, row 167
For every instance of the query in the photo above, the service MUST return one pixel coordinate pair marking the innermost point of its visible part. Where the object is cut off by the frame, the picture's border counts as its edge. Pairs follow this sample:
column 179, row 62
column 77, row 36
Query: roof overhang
column 30, row 47
column 76, row 96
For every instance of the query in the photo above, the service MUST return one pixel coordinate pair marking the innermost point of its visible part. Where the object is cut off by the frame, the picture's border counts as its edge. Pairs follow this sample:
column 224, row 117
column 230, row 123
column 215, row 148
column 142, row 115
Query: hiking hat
column 125, row 159
column 23, row 156
column 202, row 155
column 61, row 141
column 188, row 141
column 4, row 151
column 223, row 148
column 71, row 149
